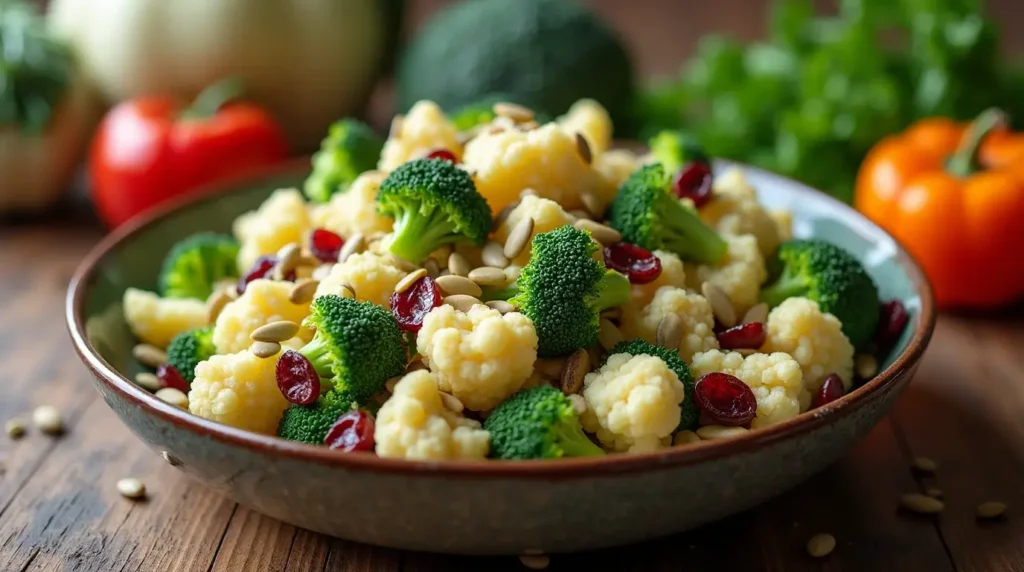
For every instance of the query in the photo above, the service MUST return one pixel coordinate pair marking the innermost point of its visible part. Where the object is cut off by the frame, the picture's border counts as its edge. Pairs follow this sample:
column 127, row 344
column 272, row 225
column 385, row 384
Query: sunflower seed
column 583, row 148
column 574, row 370
column 173, row 396
column 303, row 291
column 493, row 254
column 461, row 302
column 451, row 402
column 459, row 285
column 721, row 307
column 215, row 305
column 921, row 504
column 756, row 314
column 278, row 331
column 287, row 259
column 866, row 366
column 488, row 276
column 14, row 428
column 458, row 265
column 502, row 215
column 149, row 356
column 593, row 204
column 264, row 350
column 148, row 381
column 605, row 235
column 518, row 237
column 432, row 267
column 48, row 420
column 821, row 545
column 608, row 335
column 131, row 488
column 355, row 244
column 578, row 403
column 670, row 332
column 409, row 279
column 713, row 432
column 924, row 465
column 401, row 263
column 395, row 131
column 991, row 509
column 535, row 561
column 685, row 437
column 501, row 306
column 516, row 113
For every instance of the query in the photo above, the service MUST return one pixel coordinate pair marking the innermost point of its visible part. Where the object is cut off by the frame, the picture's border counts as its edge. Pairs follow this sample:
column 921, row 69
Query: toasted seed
column 401, row 263
column 922, row 504
column 670, row 332
column 303, row 291
column 518, row 237
column 606, row 235
column 458, row 265
column 355, row 244
column 452, row 284
column 406, row 282
column 451, row 402
column 991, row 509
column 278, row 331
column 48, row 420
column 149, row 356
column 578, row 403
column 712, row 432
column 396, row 126
column 529, row 125
column 516, row 113
column 461, row 302
column 583, row 148
column 721, row 307
column 432, row 267
column 501, row 306
column 307, row 260
column 488, row 276
column 215, row 304
column 580, row 214
column 322, row 272
column 608, row 335
column 503, row 122
column 264, row 350
column 287, row 259
column 14, row 428
column 933, row 492
column 131, row 488
column 512, row 273
column 821, row 545
column 347, row 290
column 757, row 313
column 173, row 396
column 576, row 367
column 535, row 561
column 685, row 437
column 924, row 465
column 594, row 206
column 148, row 381
column 550, row 368
column 866, row 366
column 493, row 254
column 502, row 215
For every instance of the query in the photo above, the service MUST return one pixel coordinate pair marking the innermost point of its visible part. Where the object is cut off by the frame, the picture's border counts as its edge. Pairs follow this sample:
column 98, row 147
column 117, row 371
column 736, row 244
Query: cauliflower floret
column 616, row 166
column 264, row 301
column 692, row 309
column 588, row 118
column 734, row 210
column 547, row 215
column 479, row 356
column 354, row 211
column 371, row 275
column 672, row 274
column 814, row 338
column 632, row 403
column 424, row 129
column 282, row 219
column 238, row 389
column 740, row 274
column 545, row 160
column 775, row 379
column 414, row 424
column 155, row 320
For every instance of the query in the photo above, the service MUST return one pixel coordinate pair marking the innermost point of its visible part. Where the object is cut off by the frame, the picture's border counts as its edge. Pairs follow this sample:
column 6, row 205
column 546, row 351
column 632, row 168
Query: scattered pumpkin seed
column 307, row 260
column 148, row 381
column 535, row 561
column 287, row 258
column 488, row 276
column 529, row 125
column 453, row 284
column 173, row 396
column 605, row 235
column 721, row 307
column 278, row 331
column 685, row 437
column 501, row 306
column 821, row 545
column 512, row 273
column 458, row 265
column 593, row 205
column 713, row 432
column 866, row 366
column 609, row 334
column 14, row 428
column 432, row 267
column 504, row 122
column 265, row 350
column 48, row 420
column 215, row 304
column 347, row 290
column 924, row 465
column 401, row 263
column 550, row 368
column 921, row 504
column 461, row 302
column 515, row 112
column 149, row 356
column 518, row 237
column 131, row 488
column 583, row 148
column 355, row 244
column 756, row 314
column 991, row 509
column 303, row 291
column 579, row 403
column 502, row 215
column 576, row 367
column 493, row 254
column 670, row 332
column 409, row 279
column 451, row 402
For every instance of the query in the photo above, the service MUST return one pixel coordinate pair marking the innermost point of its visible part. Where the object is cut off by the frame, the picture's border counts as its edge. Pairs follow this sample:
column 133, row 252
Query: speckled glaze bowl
column 483, row 507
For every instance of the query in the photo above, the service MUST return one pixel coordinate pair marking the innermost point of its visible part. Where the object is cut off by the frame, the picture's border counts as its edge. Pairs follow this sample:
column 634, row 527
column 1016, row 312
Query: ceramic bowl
column 483, row 507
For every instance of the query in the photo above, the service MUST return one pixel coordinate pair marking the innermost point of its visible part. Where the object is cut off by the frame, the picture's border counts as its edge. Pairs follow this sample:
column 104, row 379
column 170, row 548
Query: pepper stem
column 211, row 99
column 964, row 160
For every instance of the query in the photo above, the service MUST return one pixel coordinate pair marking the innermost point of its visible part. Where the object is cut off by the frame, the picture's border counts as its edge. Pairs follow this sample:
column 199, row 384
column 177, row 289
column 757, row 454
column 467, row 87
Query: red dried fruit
column 636, row 262
column 742, row 336
column 693, row 182
column 169, row 376
column 725, row 399
column 325, row 245
column 409, row 307
column 353, row 431
column 297, row 379
column 263, row 268
column 893, row 317
column 444, row 155
column 831, row 389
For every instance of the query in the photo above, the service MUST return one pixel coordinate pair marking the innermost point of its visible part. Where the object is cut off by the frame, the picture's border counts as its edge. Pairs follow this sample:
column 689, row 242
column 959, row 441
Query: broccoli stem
column 319, row 353
column 685, row 234
column 787, row 286
column 573, row 442
column 417, row 234
column 491, row 294
column 613, row 290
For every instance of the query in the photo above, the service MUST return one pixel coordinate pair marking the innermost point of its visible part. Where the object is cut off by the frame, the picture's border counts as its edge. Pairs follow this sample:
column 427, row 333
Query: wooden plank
column 254, row 542
column 309, row 551
column 348, row 556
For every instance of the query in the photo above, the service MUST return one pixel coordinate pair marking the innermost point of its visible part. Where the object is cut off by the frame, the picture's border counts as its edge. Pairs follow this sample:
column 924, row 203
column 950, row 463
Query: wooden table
column 59, row 509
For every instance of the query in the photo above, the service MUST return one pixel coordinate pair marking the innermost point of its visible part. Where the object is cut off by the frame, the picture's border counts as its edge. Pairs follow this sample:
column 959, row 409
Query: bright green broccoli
column 189, row 348
column 638, row 347
column 310, row 423
column 647, row 213
column 357, row 347
column 538, row 423
column 195, row 264
column 675, row 149
column 350, row 148
column 830, row 276
column 563, row 290
column 433, row 203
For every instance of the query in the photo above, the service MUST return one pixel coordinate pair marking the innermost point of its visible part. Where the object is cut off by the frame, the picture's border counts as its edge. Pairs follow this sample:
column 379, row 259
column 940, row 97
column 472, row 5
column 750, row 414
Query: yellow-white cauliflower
column 354, row 211
column 424, row 129
column 238, row 389
column 734, row 210
column 547, row 215
column 590, row 119
column 155, row 320
column 414, row 424
column 740, row 274
column 775, row 379
column 616, row 166
column 479, row 356
column 672, row 274
column 282, row 219
column 373, row 276
column 633, row 403
column 814, row 338
column 693, row 311
column 545, row 160
column 264, row 301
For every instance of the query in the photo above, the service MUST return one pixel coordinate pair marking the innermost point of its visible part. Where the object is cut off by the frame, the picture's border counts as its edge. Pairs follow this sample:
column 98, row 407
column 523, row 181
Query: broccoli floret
column 638, row 347
column 538, row 423
column 675, row 149
column 350, row 148
column 310, row 423
column 195, row 264
column 563, row 290
column 189, row 348
column 433, row 203
column 830, row 276
column 357, row 347
column 647, row 213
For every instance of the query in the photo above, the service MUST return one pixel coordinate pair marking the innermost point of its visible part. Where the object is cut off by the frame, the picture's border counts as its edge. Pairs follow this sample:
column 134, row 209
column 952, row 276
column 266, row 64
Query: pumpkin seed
column 501, row 306
column 131, row 488
column 275, row 332
column 991, row 509
column 756, row 314
column 488, row 276
column 713, row 432
column 921, row 504
column 866, row 366
column 149, row 356
column 583, row 148
column 518, row 238
column 453, row 284
column 287, row 259
column 609, row 335
column 721, row 307
column 264, row 350
column 148, row 381
column 461, row 302
column 580, row 214
column 433, row 267
column 409, row 279
column 821, row 545
column 355, row 244
column 303, row 291
column 493, row 254
column 458, row 265
column 215, row 304
column 670, row 332
column 48, row 420
column 173, row 396
column 503, row 215
column 605, row 235
column 592, row 204
column 574, row 370
column 401, row 263
column 550, row 368
column 516, row 113
column 347, row 290
column 685, row 437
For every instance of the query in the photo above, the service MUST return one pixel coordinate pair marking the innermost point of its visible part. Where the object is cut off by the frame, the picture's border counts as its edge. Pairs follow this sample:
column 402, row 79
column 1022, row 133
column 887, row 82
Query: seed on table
column 453, row 284
column 432, row 267
column 278, row 331
column 501, row 306
column 148, row 381
column 461, row 302
column 712, row 432
column 131, row 488
column 991, row 509
column 215, row 304
column 488, row 276
column 866, row 366
column 516, row 113
column 401, row 263
column 518, row 237
column 14, row 428
column 821, row 545
column 458, row 265
column 605, row 235
column 670, row 332
column 921, row 504
column 576, row 367
column 451, row 402
column 685, row 437
column 609, row 334
column 406, row 282
column 578, row 403
column 721, row 307
column 354, row 245
column 493, row 254
column 48, row 420
column 303, row 291
column 592, row 204
column 924, row 465
column 265, row 350
column 149, row 356
column 758, row 314
column 583, row 148
column 535, row 561
column 933, row 492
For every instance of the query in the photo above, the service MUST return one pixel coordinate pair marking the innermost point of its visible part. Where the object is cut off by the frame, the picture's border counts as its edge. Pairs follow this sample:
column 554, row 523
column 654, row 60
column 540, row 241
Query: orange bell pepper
column 953, row 195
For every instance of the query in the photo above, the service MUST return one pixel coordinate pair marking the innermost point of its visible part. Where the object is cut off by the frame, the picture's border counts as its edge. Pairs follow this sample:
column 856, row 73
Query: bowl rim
column 114, row 381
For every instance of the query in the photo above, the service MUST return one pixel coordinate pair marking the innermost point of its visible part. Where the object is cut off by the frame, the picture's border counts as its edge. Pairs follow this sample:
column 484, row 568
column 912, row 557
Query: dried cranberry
column 262, row 268
column 742, row 337
column 693, row 182
column 637, row 263
column 831, row 389
column 353, row 431
column 725, row 399
column 892, row 319
column 297, row 379
column 444, row 155
column 169, row 376
column 325, row 245
column 409, row 307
